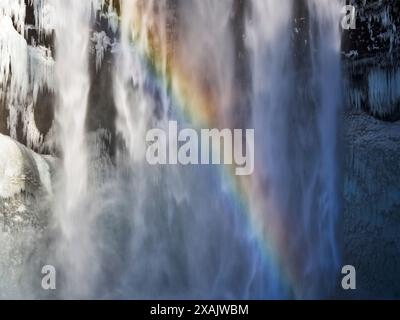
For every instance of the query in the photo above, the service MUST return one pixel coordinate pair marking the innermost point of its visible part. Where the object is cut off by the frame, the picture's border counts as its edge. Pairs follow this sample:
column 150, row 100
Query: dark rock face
column 101, row 112
column 44, row 111
column 376, row 29
column 371, row 60
column 3, row 117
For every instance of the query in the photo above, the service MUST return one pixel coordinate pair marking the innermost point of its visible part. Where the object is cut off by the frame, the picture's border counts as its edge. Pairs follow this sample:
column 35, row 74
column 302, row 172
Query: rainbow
column 198, row 105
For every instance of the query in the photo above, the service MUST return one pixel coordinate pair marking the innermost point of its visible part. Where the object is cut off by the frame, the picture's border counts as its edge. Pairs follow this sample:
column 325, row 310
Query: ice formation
column 102, row 43
column 372, row 55
column 41, row 70
column 44, row 16
column 383, row 91
column 27, row 67
column 14, row 9
column 13, row 63
column 24, row 69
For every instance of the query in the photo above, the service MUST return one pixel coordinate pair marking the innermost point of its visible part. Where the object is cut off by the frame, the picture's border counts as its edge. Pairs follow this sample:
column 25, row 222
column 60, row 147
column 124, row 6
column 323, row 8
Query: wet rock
column 371, row 55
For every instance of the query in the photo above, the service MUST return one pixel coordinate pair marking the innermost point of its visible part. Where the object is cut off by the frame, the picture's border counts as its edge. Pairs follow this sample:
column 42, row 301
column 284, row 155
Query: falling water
column 72, row 76
column 296, row 98
column 180, row 246
column 125, row 229
column 326, row 80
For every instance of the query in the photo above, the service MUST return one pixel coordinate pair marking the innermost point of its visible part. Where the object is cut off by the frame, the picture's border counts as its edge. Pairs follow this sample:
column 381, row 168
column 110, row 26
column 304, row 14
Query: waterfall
column 180, row 245
column 326, row 77
column 122, row 228
column 296, row 101
column 73, row 83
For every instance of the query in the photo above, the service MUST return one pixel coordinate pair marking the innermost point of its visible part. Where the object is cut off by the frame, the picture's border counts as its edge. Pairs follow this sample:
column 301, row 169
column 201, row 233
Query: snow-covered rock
column 25, row 184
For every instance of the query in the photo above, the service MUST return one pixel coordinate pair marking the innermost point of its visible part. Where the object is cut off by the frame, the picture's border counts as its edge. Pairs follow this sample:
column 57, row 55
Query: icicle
column 383, row 91
column 34, row 138
column 41, row 70
column 15, row 9
column 102, row 44
column 44, row 16
column 13, row 62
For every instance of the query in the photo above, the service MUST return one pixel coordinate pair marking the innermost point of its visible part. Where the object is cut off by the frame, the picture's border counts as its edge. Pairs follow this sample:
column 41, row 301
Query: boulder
column 25, row 185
